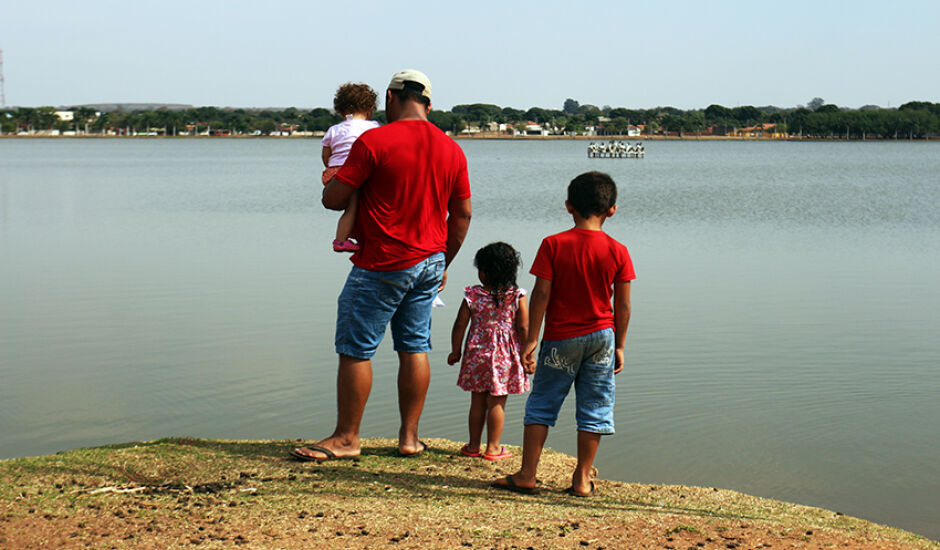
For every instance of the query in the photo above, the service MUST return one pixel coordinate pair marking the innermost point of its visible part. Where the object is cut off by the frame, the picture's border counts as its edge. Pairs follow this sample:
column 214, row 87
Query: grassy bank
column 224, row 494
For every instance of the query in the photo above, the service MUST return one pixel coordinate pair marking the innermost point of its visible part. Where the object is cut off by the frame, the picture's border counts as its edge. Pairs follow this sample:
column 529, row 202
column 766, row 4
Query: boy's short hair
column 592, row 194
column 354, row 98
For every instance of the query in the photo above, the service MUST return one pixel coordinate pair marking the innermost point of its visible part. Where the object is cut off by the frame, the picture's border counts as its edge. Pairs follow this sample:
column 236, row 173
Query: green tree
column 447, row 121
column 510, row 114
column 81, row 116
column 591, row 114
column 570, row 106
column 693, row 122
column 618, row 125
column 671, row 122
column 45, row 118
column 537, row 114
column 747, row 115
column 575, row 124
column 717, row 114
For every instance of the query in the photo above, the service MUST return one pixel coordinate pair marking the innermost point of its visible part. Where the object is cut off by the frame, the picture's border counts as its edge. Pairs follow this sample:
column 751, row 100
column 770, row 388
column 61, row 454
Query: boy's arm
column 540, row 295
column 456, row 335
column 621, row 321
column 325, row 155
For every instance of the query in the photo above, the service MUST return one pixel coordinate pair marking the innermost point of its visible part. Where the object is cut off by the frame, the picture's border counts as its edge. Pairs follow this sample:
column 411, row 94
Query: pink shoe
column 504, row 453
column 345, row 246
column 465, row 451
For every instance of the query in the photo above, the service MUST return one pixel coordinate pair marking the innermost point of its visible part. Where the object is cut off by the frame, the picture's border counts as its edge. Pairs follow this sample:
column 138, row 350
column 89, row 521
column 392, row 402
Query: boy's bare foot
column 408, row 442
column 581, row 486
column 412, row 450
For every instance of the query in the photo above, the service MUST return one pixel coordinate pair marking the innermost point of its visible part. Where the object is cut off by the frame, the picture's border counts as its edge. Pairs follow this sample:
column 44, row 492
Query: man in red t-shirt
column 413, row 214
column 577, row 273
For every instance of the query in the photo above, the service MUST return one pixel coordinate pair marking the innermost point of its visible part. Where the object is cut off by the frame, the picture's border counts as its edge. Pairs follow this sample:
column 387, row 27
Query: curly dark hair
column 592, row 193
column 498, row 262
column 354, row 98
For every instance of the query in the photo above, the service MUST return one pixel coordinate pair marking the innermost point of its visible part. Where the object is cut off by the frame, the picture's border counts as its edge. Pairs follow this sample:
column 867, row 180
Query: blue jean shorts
column 588, row 363
column 370, row 300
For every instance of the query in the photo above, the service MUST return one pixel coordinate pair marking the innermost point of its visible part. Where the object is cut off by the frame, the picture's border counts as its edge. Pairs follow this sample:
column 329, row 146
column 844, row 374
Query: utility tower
column 3, row 92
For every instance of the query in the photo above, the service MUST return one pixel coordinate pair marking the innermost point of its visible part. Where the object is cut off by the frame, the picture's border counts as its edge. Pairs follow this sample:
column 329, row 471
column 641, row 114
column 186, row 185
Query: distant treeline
column 915, row 120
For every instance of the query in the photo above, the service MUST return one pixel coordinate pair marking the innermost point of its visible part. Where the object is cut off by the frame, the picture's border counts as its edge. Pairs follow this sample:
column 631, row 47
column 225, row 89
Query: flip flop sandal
column 298, row 453
column 513, row 488
column 503, row 454
column 570, row 491
column 465, row 452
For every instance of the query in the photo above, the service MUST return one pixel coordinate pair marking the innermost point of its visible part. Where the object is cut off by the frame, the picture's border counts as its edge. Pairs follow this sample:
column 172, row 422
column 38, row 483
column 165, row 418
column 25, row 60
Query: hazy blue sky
column 688, row 54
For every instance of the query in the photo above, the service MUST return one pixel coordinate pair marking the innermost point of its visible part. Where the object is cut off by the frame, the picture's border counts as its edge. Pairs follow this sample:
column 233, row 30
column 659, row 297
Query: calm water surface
column 784, row 340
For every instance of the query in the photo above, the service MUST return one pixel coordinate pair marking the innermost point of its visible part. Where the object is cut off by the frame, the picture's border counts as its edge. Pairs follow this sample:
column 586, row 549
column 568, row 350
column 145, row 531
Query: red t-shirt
column 583, row 266
column 406, row 172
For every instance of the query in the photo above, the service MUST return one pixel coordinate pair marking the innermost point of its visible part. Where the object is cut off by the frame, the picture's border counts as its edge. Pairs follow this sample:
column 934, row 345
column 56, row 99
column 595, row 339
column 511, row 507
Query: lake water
column 783, row 342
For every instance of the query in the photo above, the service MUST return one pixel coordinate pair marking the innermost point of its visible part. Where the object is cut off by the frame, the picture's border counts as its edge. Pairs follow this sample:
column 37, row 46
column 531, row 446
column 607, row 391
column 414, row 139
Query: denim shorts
column 371, row 300
column 587, row 362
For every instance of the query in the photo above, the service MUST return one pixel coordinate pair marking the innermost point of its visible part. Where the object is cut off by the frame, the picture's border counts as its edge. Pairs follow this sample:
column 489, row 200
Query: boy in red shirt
column 576, row 272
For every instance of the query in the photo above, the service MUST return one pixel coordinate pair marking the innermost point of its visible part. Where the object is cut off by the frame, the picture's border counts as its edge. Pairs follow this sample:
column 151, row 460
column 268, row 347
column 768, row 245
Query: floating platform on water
column 616, row 150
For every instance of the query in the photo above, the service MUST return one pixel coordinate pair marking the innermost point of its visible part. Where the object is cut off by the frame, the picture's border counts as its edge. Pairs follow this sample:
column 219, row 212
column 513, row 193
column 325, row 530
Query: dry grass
column 224, row 494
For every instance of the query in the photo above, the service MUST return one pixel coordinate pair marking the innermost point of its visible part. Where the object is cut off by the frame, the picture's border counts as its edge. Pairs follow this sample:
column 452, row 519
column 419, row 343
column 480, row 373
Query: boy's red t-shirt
column 406, row 172
column 583, row 266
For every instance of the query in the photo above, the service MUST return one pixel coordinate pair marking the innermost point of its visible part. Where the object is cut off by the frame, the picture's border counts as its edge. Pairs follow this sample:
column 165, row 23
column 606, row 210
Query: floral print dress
column 491, row 361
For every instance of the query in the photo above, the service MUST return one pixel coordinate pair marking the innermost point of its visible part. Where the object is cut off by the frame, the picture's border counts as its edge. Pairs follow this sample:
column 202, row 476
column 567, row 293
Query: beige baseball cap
column 410, row 75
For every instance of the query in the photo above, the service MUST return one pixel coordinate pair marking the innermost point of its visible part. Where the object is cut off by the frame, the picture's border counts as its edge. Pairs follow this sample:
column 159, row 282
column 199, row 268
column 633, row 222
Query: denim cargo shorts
column 370, row 300
column 588, row 363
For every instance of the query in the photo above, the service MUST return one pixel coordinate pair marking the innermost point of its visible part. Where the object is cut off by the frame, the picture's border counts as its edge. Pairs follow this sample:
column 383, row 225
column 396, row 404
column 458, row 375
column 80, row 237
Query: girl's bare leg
column 495, row 417
column 344, row 226
column 476, row 419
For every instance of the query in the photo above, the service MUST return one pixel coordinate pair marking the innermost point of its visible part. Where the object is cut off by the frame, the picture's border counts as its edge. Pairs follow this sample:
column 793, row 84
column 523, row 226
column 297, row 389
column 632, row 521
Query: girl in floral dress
column 491, row 367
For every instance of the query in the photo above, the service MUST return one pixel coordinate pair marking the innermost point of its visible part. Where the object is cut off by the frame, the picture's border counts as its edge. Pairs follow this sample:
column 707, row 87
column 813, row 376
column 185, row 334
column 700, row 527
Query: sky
column 685, row 54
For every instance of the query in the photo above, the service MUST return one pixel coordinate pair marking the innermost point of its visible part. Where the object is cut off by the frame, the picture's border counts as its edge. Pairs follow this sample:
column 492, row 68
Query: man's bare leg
column 353, row 384
column 414, row 376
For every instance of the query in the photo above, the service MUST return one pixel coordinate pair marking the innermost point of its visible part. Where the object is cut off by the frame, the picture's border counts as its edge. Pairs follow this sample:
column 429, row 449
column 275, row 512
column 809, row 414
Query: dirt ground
column 214, row 494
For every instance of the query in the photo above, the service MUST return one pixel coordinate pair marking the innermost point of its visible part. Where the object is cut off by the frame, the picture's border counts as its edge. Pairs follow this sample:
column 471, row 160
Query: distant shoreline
column 692, row 137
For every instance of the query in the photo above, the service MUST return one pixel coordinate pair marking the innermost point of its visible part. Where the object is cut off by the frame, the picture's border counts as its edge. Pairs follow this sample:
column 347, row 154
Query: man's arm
column 459, row 212
column 336, row 195
column 621, row 321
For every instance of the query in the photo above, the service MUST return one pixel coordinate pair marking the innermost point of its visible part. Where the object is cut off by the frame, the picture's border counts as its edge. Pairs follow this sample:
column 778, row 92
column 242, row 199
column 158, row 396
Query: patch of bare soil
column 215, row 494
